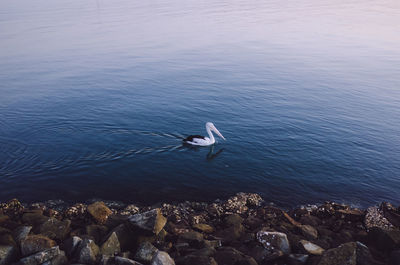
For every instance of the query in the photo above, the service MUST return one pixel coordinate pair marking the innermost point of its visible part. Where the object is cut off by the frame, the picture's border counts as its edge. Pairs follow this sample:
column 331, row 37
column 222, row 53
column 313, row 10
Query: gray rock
column 196, row 260
column 375, row 218
column 162, row 258
column 36, row 243
column 145, row 252
column 40, row 257
column 274, row 240
column 55, row 229
column 7, row 254
column 108, row 260
column 311, row 248
column 111, row 246
column 87, row 252
column 296, row 259
column 152, row 221
column 71, row 245
column 58, row 260
column 352, row 253
column 125, row 236
column 20, row 233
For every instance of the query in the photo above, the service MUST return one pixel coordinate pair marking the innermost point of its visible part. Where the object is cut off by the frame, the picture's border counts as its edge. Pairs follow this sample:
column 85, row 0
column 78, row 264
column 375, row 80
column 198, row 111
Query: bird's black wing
column 191, row 137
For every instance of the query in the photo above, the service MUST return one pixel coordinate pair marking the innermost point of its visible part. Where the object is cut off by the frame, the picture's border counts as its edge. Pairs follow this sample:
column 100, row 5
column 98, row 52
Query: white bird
column 201, row 140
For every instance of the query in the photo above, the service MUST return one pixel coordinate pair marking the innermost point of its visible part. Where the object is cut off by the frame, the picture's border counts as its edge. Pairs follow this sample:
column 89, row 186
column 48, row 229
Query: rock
column 205, row 228
column 125, row 236
column 71, row 245
column 3, row 218
column 162, row 258
column 34, row 218
column 394, row 258
column 41, row 257
column 384, row 239
column 274, row 240
column 233, row 220
column 246, row 260
column 351, row 253
column 97, row 232
column 36, row 243
column 310, row 220
column 7, row 240
column 99, row 211
column 7, row 254
column 196, row 260
column 227, row 256
column 145, row 252
column 21, row 233
column 195, row 239
column 296, row 259
column 391, row 213
column 111, row 246
column 309, row 232
column 311, row 248
column 375, row 218
column 129, row 210
column 207, row 251
column 152, row 221
column 55, row 229
column 87, row 252
column 108, row 260
column 58, row 260
column 353, row 215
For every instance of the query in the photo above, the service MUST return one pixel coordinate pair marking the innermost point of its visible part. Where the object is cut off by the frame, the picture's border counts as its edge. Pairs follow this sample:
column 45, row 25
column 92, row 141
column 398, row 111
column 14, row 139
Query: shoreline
column 242, row 230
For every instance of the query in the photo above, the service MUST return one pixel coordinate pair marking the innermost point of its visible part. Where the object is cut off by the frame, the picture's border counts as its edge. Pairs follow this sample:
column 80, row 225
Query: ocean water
column 96, row 95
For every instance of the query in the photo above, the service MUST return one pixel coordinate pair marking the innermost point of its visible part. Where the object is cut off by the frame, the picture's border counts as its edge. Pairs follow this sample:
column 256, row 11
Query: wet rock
column 296, row 259
column 145, row 252
column 205, row 228
column 108, row 260
column 207, row 251
column 55, row 229
column 111, row 246
column 71, row 245
column 196, row 260
column 246, row 260
column 351, row 253
column 274, row 240
column 99, row 211
column 7, row 254
column 87, row 252
column 3, row 218
column 309, row 232
column 195, row 239
column 76, row 212
column 374, row 218
column 233, row 220
column 36, row 243
column 152, row 221
column 41, row 257
column 7, row 240
column 162, row 258
column 21, row 233
column 311, row 248
column 384, row 239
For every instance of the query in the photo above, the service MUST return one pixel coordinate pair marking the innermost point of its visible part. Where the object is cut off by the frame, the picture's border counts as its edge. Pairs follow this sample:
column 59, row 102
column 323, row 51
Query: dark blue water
column 95, row 95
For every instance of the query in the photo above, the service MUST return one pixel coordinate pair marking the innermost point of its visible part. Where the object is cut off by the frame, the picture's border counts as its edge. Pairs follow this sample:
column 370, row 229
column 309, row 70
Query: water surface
column 95, row 95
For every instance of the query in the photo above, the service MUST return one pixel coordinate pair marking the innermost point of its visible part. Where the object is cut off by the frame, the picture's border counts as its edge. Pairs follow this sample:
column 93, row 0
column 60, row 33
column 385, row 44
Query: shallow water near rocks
column 96, row 95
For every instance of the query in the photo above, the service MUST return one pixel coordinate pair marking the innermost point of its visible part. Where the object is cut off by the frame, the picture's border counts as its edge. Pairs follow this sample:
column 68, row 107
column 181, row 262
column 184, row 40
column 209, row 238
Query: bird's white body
column 204, row 141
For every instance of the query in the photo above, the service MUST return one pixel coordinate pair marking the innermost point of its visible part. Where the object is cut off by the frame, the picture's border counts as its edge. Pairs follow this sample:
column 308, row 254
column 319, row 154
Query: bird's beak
column 219, row 134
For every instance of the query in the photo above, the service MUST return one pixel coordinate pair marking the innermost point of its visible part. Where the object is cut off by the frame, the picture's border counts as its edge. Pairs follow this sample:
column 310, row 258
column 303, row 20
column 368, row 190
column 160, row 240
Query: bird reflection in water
column 211, row 155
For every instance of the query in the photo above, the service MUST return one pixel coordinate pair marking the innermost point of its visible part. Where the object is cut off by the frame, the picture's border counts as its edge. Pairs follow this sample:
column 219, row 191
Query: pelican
column 201, row 140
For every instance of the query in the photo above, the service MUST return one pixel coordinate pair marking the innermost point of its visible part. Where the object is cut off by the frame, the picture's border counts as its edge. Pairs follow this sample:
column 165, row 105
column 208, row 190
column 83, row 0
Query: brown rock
column 55, row 229
column 99, row 211
column 35, row 243
column 205, row 228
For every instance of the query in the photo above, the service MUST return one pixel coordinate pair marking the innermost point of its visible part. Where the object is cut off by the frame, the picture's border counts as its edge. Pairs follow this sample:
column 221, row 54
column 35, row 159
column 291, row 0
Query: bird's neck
column 210, row 134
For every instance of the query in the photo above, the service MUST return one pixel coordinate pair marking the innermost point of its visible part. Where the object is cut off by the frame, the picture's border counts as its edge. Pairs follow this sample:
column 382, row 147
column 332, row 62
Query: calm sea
column 96, row 95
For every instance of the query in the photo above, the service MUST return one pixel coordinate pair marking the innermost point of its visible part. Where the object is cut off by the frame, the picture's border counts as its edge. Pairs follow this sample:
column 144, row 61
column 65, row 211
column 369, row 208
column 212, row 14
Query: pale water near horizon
column 95, row 95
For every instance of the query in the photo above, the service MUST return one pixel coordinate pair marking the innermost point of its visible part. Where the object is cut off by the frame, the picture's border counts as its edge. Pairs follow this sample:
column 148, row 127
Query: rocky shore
column 243, row 230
